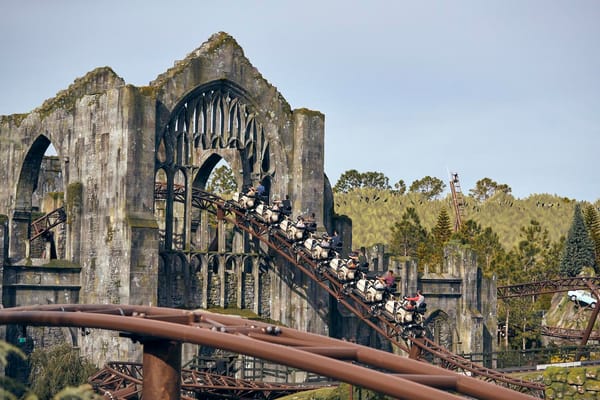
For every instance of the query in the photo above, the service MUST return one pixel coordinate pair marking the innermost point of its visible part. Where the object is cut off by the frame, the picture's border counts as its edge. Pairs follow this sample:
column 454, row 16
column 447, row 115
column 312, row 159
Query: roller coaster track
column 381, row 371
column 247, row 222
column 123, row 380
column 546, row 287
column 322, row 277
column 564, row 333
column 43, row 224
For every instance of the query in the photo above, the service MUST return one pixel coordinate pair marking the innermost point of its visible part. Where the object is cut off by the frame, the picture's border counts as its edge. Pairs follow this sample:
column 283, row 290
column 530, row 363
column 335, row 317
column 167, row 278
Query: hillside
column 374, row 212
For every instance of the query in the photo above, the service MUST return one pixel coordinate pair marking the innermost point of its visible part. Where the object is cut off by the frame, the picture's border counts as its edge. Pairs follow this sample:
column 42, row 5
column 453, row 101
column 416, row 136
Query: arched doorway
column 39, row 192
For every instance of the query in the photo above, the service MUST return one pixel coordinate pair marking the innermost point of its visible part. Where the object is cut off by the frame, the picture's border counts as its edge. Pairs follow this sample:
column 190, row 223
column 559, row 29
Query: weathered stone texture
column 116, row 142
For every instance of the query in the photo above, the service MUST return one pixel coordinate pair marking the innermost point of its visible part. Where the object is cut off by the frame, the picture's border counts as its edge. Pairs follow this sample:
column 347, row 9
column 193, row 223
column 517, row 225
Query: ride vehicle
column 582, row 297
column 369, row 290
column 267, row 214
column 317, row 249
column 291, row 231
column 344, row 270
column 244, row 200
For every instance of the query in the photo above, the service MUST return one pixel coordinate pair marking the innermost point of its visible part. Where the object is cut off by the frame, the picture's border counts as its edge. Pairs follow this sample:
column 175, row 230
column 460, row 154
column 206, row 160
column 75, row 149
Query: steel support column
column 162, row 370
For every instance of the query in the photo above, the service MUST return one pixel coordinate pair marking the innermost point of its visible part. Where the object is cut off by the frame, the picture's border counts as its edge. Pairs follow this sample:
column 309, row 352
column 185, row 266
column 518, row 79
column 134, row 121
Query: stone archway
column 27, row 184
column 440, row 329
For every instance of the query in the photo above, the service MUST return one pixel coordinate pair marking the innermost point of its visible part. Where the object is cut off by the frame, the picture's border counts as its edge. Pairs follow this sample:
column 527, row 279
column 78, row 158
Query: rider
column 417, row 300
column 260, row 192
column 389, row 280
column 286, row 205
column 336, row 242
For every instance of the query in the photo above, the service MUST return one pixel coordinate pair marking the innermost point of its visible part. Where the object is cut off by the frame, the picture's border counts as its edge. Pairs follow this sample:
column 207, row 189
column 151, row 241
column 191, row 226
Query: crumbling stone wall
column 105, row 135
column 576, row 383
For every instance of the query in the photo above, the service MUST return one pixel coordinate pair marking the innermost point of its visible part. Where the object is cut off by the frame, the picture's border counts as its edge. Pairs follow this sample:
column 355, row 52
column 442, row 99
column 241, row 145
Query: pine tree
column 407, row 234
column 592, row 222
column 579, row 248
column 442, row 229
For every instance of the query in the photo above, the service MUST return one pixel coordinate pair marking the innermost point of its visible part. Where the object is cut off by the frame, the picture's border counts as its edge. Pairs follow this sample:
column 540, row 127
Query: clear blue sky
column 505, row 89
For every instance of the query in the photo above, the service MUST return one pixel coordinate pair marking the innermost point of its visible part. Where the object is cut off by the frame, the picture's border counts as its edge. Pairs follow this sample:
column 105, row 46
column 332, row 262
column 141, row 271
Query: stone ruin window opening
column 40, row 205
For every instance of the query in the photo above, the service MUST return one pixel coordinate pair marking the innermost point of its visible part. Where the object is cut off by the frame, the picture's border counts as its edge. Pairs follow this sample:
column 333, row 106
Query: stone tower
column 114, row 144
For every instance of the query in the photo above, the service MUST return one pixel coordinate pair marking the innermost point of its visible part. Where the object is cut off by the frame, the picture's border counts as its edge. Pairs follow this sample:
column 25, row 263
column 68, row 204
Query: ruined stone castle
column 121, row 244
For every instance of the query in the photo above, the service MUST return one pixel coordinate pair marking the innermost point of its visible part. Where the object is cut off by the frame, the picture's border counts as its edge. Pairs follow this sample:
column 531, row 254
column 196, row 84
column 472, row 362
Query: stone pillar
column 3, row 255
column 257, row 285
column 73, row 209
column 308, row 159
column 204, row 272
column 19, row 234
column 204, row 241
column 223, row 286
column 239, row 273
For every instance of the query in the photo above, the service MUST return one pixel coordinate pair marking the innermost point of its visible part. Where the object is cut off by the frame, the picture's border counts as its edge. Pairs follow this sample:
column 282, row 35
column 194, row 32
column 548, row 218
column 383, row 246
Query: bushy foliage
column 57, row 368
column 352, row 179
column 579, row 248
column 408, row 234
column 430, row 187
column 486, row 188
column 374, row 212
column 222, row 181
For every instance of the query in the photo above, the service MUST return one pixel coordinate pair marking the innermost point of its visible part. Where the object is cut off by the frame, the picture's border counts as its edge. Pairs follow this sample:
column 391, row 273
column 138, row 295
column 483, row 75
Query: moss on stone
column 3, row 219
column 141, row 222
column 55, row 195
column 74, row 194
column 61, row 264
column 86, row 85
column 592, row 385
column 13, row 119
column 576, row 376
column 308, row 112
column 149, row 91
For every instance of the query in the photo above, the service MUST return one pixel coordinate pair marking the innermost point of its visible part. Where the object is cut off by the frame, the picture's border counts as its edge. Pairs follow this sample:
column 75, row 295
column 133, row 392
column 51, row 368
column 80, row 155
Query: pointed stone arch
column 26, row 185
column 440, row 328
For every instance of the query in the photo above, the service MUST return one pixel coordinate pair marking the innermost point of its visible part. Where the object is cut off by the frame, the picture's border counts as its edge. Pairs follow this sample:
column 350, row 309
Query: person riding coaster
column 401, row 311
column 370, row 290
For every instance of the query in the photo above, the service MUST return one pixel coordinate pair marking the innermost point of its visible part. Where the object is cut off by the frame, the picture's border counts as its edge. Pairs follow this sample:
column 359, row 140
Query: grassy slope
column 374, row 212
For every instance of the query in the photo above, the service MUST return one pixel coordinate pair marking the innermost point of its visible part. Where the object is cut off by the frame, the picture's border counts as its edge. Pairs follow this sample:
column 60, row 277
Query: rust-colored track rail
column 546, row 287
column 124, row 380
column 247, row 222
column 43, row 224
column 404, row 378
column 565, row 333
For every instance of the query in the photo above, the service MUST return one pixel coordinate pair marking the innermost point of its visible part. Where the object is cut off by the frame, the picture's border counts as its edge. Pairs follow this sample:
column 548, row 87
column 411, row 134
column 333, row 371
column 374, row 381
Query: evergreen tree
column 532, row 250
column 489, row 250
column 443, row 229
column 579, row 248
column 440, row 234
column 222, row 181
column 592, row 222
column 408, row 234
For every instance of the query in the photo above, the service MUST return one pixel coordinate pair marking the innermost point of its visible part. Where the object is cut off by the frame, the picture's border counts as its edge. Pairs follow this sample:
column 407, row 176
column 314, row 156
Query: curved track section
column 124, row 381
column 404, row 378
column 266, row 233
column 565, row 333
column 546, row 287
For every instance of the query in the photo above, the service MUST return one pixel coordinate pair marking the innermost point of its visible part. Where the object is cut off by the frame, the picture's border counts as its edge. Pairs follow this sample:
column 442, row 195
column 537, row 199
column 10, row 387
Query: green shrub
column 56, row 368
